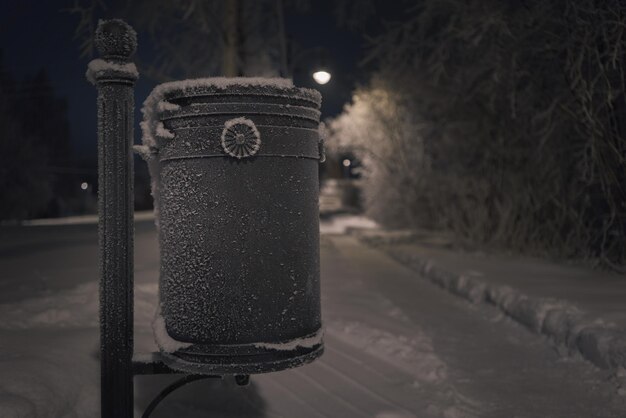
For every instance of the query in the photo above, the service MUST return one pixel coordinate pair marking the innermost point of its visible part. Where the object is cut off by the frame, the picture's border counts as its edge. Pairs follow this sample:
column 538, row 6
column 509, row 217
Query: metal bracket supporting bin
column 153, row 364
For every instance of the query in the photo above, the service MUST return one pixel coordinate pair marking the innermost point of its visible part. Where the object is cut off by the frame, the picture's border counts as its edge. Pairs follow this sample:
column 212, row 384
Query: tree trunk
column 280, row 15
column 230, row 67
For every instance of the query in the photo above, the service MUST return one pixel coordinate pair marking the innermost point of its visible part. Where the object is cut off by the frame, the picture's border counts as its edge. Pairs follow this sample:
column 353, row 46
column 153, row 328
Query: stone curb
column 602, row 344
column 145, row 215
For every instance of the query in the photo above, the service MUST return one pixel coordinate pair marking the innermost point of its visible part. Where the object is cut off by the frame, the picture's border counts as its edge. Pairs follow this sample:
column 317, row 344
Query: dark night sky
column 39, row 34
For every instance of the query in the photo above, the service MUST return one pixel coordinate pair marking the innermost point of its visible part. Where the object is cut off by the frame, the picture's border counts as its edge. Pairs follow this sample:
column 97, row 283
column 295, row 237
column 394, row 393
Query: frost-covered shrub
column 380, row 129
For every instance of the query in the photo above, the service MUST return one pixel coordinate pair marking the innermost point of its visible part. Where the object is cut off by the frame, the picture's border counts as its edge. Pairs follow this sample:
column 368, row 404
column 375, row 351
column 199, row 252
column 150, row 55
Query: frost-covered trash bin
column 234, row 164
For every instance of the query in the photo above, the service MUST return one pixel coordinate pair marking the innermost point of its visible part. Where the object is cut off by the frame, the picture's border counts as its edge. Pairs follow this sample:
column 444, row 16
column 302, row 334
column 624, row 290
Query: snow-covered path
column 396, row 346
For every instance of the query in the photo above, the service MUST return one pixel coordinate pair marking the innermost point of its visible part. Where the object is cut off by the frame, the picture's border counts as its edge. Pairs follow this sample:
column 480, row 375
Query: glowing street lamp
column 316, row 59
column 321, row 77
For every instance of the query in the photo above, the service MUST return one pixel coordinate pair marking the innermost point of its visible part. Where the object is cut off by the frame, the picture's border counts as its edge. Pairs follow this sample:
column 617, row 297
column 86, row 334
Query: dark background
column 43, row 60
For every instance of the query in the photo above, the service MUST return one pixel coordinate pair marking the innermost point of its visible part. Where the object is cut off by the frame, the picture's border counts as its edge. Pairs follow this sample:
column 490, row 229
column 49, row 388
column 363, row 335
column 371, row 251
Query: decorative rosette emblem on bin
column 240, row 138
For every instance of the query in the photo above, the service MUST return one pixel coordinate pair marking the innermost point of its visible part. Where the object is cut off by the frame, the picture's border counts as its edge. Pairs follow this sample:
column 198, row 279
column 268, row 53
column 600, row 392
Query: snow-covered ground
column 396, row 347
column 49, row 348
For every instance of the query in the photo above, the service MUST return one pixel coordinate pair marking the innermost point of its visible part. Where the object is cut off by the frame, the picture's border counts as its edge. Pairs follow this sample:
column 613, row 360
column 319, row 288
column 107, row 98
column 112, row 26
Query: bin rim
column 158, row 101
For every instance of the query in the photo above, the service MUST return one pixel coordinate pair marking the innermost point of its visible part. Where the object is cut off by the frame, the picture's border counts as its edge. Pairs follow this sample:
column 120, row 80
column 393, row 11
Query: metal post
column 114, row 77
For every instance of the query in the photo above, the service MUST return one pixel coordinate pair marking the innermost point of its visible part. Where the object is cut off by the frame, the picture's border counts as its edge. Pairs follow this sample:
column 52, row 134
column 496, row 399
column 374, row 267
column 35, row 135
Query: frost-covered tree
column 386, row 136
column 199, row 38
column 522, row 105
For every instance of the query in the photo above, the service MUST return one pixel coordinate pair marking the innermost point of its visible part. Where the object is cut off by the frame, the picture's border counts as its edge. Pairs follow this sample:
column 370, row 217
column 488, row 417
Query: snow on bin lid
column 157, row 102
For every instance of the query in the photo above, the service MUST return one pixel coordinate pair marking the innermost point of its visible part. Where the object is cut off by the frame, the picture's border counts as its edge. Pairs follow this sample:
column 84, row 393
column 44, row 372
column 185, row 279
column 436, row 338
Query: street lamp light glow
column 84, row 185
column 346, row 163
column 321, row 77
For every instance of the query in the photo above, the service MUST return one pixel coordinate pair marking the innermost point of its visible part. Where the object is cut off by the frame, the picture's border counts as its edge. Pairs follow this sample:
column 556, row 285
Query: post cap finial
column 116, row 39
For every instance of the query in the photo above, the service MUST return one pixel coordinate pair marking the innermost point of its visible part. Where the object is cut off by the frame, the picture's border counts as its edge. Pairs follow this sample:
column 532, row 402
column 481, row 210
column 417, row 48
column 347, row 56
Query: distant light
column 321, row 77
column 346, row 163
column 84, row 185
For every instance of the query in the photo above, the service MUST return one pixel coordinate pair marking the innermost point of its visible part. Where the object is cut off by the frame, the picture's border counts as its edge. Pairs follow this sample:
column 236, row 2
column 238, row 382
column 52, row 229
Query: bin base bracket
column 152, row 363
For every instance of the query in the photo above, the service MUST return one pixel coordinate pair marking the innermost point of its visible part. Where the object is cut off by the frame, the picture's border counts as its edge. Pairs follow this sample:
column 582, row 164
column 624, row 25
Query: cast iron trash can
column 234, row 167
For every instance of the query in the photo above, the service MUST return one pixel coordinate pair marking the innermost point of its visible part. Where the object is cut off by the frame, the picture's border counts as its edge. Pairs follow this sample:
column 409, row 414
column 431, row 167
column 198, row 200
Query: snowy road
column 396, row 346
